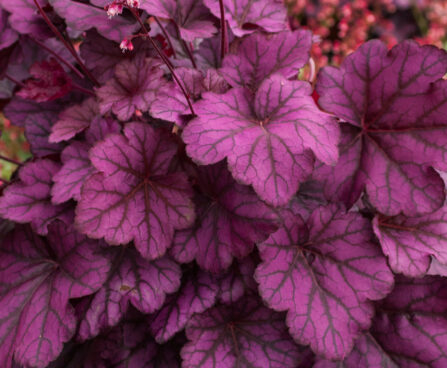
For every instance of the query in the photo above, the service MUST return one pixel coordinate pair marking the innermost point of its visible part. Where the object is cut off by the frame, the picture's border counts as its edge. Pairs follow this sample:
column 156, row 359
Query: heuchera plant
column 191, row 202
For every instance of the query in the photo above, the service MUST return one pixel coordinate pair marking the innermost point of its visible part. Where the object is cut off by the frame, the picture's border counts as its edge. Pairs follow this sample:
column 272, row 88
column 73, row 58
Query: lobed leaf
column 394, row 104
column 36, row 318
column 242, row 15
column 324, row 273
column 246, row 334
column 133, row 196
column 267, row 138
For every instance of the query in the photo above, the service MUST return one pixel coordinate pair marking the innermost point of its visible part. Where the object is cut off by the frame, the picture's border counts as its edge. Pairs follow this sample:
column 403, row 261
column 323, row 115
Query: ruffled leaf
column 395, row 106
column 246, row 334
column 261, row 55
column 242, row 15
column 132, row 280
column 134, row 197
column 29, row 199
column 191, row 16
column 134, row 86
column 267, row 138
column 36, row 318
column 324, row 273
column 231, row 218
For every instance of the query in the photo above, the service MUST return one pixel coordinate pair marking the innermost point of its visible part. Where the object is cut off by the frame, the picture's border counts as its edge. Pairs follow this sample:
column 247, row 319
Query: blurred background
column 339, row 26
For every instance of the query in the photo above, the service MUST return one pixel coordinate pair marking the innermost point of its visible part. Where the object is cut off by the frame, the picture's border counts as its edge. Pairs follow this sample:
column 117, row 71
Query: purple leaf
column 197, row 294
column 37, row 118
column 49, row 82
column 7, row 35
column 36, row 316
column 134, row 86
column 366, row 353
column 128, row 345
column 81, row 17
column 266, row 138
column 171, row 103
column 241, row 15
column 76, row 166
column 132, row 280
column 410, row 324
column 133, row 197
column 246, row 334
column 191, row 17
column 74, row 120
column 324, row 272
column 231, row 218
column 28, row 200
column 261, row 55
column 396, row 116
column 237, row 281
column 410, row 241
column 25, row 19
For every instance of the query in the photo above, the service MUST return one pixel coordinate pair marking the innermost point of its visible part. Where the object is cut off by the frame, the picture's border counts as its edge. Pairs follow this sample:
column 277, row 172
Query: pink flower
column 114, row 9
column 126, row 45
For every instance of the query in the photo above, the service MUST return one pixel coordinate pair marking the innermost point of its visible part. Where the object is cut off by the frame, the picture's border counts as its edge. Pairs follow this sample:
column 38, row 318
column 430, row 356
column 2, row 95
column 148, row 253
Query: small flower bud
column 126, row 45
column 133, row 3
column 114, row 9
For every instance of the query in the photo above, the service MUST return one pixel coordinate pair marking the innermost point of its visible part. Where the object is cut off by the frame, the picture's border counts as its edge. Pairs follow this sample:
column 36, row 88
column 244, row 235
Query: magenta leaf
column 132, row 280
column 192, row 18
column 366, row 353
column 134, row 86
column 237, row 281
column 324, row 273
column 49, row 82
column 36, row 318
column 197, row 293
column 83, row 16
column 246, row 334
column 270, row 16
column 410, row 324
column 134, row 197
column 267, row 138
column 231, row 218
column 7, row 35
column 171, row 103
column 24, row 18
column 37, row 118
column 395, row 106
column 410, row 241
column 76, row 166
column 29, row 200
column 74, row 120
column 261, row 55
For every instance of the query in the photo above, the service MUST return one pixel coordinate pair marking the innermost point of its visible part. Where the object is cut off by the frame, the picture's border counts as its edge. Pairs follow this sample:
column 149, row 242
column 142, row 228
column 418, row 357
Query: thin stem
column 312, row 70
column 66, row 44
column 7, row 76
column 223, row 31
column 185, row 46
column 4, row 158
column 60, row 58
column 164, row 58
column 168, row 39
column 190, row 54
column 82, row 89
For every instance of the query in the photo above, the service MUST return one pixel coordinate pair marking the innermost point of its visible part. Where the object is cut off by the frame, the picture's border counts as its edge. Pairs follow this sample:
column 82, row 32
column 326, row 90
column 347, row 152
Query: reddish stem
column 164, row 58
column 66, row 44
column 190, row 54
column 82, row 89
column 58, row 57
column 4, row 158
column 168, row 39
column 7, row 76
column 223, row 31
